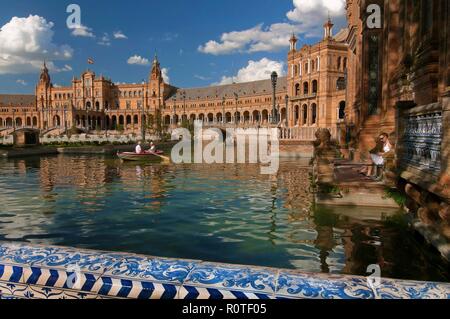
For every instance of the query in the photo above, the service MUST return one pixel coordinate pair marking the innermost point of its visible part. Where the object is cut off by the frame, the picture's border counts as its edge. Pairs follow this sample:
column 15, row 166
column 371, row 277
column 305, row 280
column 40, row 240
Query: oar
column 165, row 158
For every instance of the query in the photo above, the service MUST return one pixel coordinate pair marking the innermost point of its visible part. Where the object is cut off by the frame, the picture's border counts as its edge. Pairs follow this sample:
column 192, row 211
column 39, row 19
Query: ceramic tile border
column 47, row 272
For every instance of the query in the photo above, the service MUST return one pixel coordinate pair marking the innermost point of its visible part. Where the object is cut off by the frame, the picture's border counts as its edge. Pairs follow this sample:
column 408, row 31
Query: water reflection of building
column 78, row 171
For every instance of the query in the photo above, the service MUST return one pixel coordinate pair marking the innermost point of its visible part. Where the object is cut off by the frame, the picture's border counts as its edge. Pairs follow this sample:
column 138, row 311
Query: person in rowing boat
column 152, row 147
column 138, row 149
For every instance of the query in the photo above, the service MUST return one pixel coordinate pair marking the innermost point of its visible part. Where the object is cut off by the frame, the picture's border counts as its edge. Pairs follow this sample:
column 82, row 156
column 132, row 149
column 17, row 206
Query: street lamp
column 274, row 78
column 236, row 97
column 14, row 120
column 142, row 111
column 174, row 109
column 184, row 105
column 65, row 119
column 223, row 110
column 287, row 110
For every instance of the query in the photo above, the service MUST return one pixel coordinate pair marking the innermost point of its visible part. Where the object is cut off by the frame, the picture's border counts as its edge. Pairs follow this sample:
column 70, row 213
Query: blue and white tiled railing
column 43, row 272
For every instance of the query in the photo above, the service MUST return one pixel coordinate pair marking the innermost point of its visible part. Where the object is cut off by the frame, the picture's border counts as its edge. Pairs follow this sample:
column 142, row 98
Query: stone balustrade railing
column 303, row 133
column 84, row 138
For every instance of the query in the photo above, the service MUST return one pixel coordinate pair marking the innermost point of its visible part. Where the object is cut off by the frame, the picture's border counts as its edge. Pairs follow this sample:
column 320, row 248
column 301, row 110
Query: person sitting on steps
column 376, row 155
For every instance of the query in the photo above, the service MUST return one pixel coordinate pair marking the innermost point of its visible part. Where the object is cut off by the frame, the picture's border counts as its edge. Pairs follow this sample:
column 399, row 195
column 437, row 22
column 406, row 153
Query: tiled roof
column 242, row 89
column 17, row 99
column 342, row 35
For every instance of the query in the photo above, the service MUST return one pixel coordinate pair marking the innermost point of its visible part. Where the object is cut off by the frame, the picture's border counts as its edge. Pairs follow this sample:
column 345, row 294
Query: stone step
column 362, row 198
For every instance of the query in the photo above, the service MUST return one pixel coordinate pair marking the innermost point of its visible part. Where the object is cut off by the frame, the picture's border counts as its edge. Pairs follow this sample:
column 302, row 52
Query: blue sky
column 188, row 37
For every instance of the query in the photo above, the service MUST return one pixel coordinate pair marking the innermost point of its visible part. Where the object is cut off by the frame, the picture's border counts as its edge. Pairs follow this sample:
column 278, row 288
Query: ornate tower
column 43, row 96
column 293, row 41
column 156, row 86
column 328, row 27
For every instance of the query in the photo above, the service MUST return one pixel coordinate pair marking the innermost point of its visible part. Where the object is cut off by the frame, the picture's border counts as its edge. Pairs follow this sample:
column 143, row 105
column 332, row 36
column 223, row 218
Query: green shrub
column 396, row 195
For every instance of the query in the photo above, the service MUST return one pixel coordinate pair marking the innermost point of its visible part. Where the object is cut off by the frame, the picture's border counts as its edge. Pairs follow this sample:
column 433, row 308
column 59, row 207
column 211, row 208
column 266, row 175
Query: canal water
column 224, row 213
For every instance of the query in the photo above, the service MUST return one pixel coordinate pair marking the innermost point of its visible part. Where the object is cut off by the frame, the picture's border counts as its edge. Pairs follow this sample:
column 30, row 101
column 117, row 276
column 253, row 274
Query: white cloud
column 306, row 19
column 105, row 40
column 254, row 71
column 310, row 15
column 66, row 68
column 169, row 36
column 138, row 60
column 83, row 31
column 165, row 75
column 119, row 35
column 22, row 82
column 201, row 77
column 26, row 42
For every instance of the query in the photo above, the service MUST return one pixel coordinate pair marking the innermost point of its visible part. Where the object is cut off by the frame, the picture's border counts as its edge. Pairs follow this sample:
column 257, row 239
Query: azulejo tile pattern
column 43, row 272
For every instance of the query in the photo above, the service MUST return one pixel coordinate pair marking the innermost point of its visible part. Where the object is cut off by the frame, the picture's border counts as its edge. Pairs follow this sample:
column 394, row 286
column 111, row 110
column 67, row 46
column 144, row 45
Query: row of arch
column 305, row 115
column 19, row 122
column 255, row 117
column 305, row 88
column 111, row 122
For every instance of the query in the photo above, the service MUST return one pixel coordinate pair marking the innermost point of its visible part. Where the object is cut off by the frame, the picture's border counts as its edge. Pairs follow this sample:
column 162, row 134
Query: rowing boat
column 131, row 156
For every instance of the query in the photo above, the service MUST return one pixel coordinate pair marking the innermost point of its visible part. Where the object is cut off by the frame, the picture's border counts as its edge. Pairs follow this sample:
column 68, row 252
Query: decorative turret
column 328, row 27
column 43, row 88
column 293, row 41
column 156, row 73
column 156, row 86
column 44, row 78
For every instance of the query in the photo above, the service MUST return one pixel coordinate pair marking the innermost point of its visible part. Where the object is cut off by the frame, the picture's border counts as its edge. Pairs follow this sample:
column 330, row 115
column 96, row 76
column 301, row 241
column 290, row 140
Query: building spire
column 328, row 27
column 293, row 42
column 44, row 77
column 155, row 59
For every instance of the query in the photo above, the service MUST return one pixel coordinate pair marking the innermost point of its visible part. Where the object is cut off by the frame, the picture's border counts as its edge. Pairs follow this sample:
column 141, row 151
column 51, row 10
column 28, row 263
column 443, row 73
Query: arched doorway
column 114, row 122
column 341, row 110
column 314, row 113
column 283, row 115
column 297, row 89
column 9, row 122
column 19, row 122
column 314, row 86
column 296, row 115
column 256, row 117
column 305, row 114
column 35, row 121
column 246, row 117
column 28, row 121
column 228, row 117
column 265, row 116
column 210, row 118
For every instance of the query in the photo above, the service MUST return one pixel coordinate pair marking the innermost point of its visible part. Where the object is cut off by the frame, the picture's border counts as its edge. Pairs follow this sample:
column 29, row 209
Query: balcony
column 304, row 97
